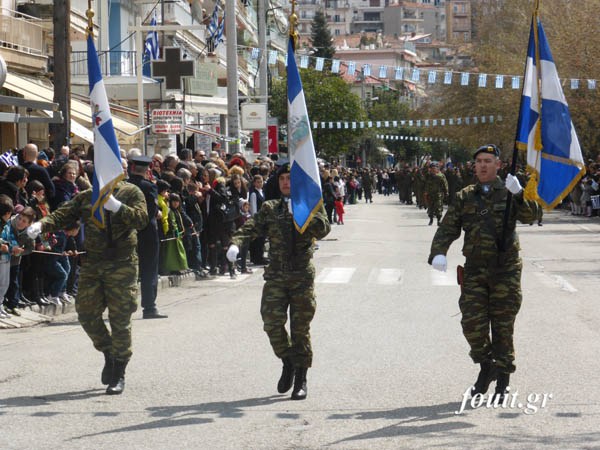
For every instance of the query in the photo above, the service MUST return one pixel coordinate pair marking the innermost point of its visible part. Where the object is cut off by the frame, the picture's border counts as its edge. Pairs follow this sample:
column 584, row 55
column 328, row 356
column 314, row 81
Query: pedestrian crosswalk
column 346, row 275
column 392, row 276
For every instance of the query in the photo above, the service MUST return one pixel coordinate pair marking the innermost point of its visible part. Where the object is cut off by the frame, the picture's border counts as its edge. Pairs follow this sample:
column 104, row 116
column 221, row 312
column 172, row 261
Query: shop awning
column 82, row 131
column 203, row 105
column 33, row 89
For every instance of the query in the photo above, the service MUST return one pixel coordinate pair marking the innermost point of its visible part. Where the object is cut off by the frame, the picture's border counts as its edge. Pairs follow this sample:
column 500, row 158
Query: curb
column 35, row 314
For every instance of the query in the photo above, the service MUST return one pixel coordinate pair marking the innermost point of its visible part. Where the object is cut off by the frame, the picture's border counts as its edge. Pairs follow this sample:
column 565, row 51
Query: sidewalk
column 35, row 315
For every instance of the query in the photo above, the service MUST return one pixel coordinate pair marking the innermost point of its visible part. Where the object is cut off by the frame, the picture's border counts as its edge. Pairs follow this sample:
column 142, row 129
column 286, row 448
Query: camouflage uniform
column 437, row 190
column 491, row 295
column 108, row 275
column 289, row 277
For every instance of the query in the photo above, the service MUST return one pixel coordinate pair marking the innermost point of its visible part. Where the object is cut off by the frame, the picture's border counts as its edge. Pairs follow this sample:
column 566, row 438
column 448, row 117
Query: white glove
column 232, row 253
column 512, row 184
column 112, row 204
column 439, row 263
column 34, row 230
column 289, row 205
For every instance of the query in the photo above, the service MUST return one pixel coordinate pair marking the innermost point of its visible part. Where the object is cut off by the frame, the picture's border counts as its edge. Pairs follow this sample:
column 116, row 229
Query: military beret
column 285, row 168
column 490, row 149
column 434, row 165
column 141, row 160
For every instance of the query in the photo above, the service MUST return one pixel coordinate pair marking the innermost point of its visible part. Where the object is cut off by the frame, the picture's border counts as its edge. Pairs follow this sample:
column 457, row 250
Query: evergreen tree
column 320, row 36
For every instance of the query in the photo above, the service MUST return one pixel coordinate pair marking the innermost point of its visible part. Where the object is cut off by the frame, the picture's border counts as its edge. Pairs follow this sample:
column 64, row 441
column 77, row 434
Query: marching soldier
column 289, row 280
column 437, row 191
column 108, row 274
column 491, row 287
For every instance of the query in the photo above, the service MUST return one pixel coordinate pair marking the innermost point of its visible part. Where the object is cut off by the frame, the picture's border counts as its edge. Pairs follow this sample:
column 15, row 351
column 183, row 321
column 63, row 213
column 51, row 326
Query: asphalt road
column 390, row 365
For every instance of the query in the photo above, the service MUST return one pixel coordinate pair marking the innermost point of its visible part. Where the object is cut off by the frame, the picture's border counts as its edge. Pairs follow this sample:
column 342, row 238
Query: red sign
column 273, row 144
column 273, row 135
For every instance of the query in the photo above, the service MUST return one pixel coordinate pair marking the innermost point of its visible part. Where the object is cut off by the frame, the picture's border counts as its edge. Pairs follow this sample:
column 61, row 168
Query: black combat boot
column 300, row 388
column 439, row 220
column 212, row 260
column 501, row 387
column 108, row 367
column 287, row 376
column 117, row 380
column 487, row 374
column 431, row 220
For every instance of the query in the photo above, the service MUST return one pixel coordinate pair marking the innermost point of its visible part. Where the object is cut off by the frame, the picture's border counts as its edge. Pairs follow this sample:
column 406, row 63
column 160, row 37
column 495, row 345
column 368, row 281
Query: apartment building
column 459, row 21
column 27, row 46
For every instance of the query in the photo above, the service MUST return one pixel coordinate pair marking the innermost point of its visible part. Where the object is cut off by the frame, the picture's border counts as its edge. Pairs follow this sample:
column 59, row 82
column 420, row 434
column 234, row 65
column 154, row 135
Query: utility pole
column 262, row 71
column 60, row 133
column 139, row 60
column 233, row 119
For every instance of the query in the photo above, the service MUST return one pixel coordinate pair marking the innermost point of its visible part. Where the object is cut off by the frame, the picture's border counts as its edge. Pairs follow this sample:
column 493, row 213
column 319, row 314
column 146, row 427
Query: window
column 336, row 32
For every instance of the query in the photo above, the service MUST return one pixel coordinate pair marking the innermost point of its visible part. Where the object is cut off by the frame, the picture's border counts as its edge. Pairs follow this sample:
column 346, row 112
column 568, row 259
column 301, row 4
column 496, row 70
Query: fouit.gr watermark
column 530, row 404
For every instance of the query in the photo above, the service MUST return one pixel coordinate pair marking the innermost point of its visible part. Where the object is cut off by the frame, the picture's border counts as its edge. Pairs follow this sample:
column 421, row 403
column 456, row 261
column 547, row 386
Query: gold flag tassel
column 531, row 189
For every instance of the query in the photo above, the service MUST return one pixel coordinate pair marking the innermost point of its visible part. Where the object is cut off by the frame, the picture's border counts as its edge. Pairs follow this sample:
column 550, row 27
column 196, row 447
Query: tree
column 320, row 37
column 500, row 47
column 328, row 99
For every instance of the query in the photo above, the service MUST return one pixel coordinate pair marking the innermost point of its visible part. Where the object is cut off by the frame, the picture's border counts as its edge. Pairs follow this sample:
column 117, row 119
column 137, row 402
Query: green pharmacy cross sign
column 172, row 68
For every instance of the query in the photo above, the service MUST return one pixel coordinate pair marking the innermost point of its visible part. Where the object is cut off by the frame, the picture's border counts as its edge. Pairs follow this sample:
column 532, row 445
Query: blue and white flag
column 108, row 170
column 553, row 153
column 304, row 172
column 213, row 25
column 150, row 49
column 151, row 44
column 9, row 159
column 220, row 30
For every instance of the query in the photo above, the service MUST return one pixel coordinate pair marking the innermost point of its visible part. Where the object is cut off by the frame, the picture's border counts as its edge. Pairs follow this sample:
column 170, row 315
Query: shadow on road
column 182, row 415
column 42, row 400
column 414, row 420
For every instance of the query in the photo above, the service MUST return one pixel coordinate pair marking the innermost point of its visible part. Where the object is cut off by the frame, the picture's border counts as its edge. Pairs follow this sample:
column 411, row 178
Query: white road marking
column 227, row 279
column 563, row 284
column 586, row 228
column 555, row 281
column 443, row 278
column 336, row 275
column 386, row 276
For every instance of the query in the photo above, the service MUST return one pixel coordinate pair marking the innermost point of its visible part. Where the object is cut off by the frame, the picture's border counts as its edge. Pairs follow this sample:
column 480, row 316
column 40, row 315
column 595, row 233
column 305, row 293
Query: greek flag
column 150, row 49
column 553, row 153
column 9, row 159
column 304, row 173
column 220, row 30
column 151, row 44
column 108, row 170
column 211, row 28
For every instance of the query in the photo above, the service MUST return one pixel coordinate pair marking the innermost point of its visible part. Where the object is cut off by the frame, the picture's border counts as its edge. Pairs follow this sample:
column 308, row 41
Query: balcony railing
column 20, row 34
column 111, row 63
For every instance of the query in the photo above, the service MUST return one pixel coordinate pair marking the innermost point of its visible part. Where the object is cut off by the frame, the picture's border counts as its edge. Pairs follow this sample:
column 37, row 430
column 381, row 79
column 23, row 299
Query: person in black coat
column 37, row 172
column 148, row 242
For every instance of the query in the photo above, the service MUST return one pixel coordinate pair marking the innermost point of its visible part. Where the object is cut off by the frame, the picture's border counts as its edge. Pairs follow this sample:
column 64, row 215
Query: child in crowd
column 339, row 209
column 245, row 214
column 6, row 210
column 58, row 266
column 33, row 273
column 19, row 244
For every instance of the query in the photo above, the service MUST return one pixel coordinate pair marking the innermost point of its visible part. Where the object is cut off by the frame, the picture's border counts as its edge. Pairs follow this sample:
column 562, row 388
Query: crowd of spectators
column 203, row 197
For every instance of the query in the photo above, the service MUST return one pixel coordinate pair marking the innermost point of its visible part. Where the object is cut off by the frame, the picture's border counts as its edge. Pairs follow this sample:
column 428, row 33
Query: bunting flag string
column 416, row 123
column 396, row 137
column 413, row 74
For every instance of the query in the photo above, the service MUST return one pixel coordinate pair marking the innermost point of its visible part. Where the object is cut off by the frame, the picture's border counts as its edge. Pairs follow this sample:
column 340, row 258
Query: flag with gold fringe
column 545, row 130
